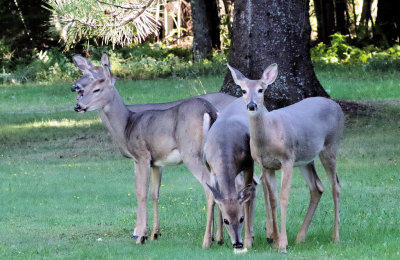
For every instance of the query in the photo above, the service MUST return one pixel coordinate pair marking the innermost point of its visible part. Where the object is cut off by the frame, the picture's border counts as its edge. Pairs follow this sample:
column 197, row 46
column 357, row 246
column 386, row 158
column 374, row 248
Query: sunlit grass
column 55, row 123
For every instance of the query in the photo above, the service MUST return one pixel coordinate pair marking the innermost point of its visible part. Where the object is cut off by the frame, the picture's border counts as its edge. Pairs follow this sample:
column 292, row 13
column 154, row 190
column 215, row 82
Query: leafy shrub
column 370, row 57
column 148, row 62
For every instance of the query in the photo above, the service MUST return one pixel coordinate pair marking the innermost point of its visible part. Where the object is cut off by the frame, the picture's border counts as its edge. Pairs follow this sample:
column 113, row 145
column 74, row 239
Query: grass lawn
column 66, row 192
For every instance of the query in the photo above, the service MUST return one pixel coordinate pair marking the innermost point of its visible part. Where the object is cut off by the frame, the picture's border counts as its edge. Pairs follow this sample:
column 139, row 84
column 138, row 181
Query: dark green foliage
column 340, row 52
column 24, row 25
column 137, row 62
column 149, row 62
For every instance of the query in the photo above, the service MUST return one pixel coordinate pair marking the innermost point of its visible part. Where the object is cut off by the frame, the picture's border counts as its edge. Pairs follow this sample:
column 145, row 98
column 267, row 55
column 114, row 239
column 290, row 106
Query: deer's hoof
column 141, row 240
column 270, row 240
column 134, row 236
column 155, row 236
column 206, row 244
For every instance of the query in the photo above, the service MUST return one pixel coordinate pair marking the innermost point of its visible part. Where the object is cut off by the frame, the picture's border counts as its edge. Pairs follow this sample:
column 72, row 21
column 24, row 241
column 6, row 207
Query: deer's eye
column 241, row 219
column 96, row 90
column 244, row 91
column 226, row 221
column 260, row 90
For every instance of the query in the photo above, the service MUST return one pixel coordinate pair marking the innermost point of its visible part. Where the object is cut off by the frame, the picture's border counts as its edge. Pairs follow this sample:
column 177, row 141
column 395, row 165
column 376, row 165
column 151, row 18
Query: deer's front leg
column 268, row 222
column 156, row 173
column 269, row 181
column 248, row 211
column 287, row 169
column 220, row 236
column 210, row 220
column 142, row 177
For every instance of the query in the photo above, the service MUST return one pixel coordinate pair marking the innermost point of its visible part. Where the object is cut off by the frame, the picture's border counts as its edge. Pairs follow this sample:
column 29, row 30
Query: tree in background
column 325, row 13
column 342, row 17
column 366, row 21
column 24, row 25
column 206, row 22
column 117, row 22
column 387, row 23
column 266, row 32
column 332, row 16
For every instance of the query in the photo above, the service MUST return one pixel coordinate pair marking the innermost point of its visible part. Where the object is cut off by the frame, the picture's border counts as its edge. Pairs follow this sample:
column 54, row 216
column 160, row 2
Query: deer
column 152, row 136
column 289, row 137
column 227, row 157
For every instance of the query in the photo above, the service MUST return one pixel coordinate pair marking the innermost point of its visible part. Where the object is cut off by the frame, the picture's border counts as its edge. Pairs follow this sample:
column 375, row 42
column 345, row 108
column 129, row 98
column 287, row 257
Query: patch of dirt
column 353, row 108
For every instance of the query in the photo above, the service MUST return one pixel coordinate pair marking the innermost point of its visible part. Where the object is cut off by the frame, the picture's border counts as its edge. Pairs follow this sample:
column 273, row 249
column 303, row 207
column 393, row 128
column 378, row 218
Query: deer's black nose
column 252, row 106
column 77, row 108
column 74, row 88
column 238, row 245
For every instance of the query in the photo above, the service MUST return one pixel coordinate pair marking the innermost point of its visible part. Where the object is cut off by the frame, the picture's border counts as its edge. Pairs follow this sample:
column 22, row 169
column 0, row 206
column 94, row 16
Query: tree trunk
column 387, row 23
column 265, row 32
column 205, row 27
column 342, row 14
column 324, row 11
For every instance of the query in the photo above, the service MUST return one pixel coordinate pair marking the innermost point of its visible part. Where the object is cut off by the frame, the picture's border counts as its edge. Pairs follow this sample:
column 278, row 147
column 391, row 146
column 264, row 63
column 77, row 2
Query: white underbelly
column 173, row 158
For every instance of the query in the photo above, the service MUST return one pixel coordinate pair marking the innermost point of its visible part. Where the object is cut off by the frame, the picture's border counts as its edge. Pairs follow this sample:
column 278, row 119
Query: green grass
column 355, row 83
column 64, row 185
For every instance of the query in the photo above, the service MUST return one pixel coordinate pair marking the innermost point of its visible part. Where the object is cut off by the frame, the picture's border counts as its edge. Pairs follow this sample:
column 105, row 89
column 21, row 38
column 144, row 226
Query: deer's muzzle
column 78, row 108
column 238, row 245
column 252, row 106
column 74, row 88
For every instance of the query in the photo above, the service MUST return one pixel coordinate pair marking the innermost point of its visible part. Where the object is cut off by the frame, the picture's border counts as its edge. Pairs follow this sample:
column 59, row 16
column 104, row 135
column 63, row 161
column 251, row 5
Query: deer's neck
column 260, row 134
column 114, row 117
column 226, row 180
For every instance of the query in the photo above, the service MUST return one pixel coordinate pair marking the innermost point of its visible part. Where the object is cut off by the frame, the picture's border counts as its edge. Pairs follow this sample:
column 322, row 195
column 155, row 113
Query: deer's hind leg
column 328, row 160
column 156, row 173
column 316, row 188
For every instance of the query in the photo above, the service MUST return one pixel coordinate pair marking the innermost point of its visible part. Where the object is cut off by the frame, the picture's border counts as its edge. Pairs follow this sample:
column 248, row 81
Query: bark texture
column 270, row 31
column 205, row 27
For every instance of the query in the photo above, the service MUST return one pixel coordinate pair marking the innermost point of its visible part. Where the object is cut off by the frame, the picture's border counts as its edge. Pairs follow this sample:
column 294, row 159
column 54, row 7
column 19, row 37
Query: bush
column 158, row 61
column 370, row 57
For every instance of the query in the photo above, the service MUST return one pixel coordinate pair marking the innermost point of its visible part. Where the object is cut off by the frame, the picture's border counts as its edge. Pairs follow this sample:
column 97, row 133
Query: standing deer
column 152, row 138
column 226, row 155
column 292, row 137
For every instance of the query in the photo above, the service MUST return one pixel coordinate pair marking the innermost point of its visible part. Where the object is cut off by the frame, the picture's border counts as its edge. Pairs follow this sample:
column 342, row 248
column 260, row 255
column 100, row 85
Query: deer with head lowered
column 151, row 138
column 290, row 137
column 227, row 155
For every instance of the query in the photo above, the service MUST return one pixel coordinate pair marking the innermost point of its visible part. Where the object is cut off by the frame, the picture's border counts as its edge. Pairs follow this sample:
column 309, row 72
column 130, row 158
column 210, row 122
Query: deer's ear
column 236, row 75
column 247, row 193
column 269, row 75
column 217, row 195
column 82, row 63
column 105, row 62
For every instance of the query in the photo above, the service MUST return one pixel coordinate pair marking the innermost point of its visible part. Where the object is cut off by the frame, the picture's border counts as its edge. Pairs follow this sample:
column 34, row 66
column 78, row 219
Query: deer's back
column 310, row 125
column 227, row 142
column 217, row 99
column 174, row 130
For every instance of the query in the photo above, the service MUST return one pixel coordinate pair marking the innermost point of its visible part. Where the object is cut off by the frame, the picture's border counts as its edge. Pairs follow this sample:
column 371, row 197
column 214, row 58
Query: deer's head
column 253, row 90
column 232, row 210
column 95, row 86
